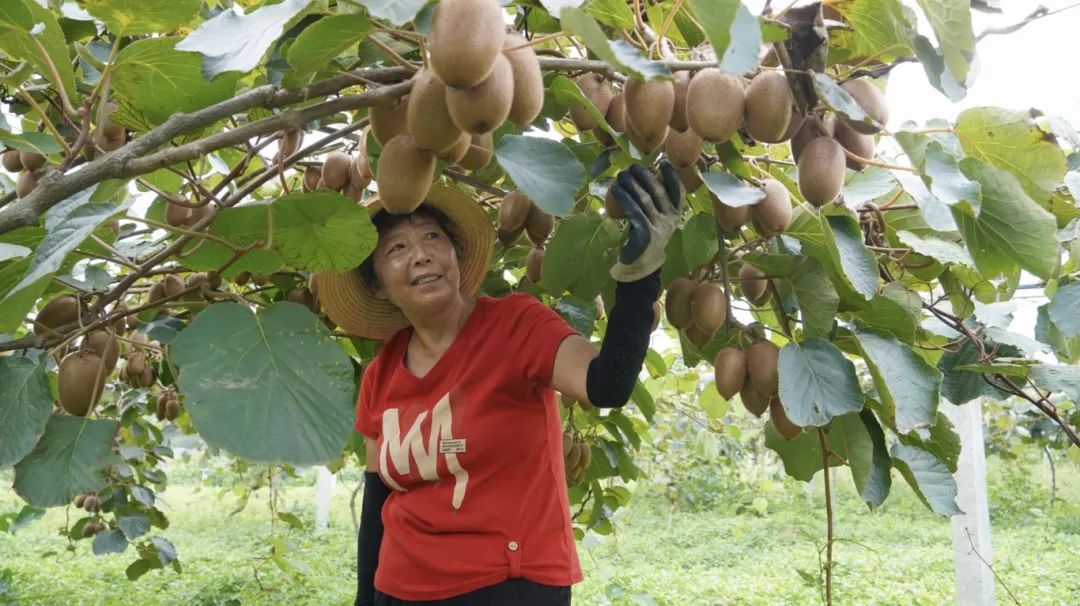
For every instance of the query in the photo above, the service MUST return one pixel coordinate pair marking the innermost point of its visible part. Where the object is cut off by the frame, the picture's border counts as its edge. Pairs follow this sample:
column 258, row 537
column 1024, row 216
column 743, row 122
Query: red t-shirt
column 481, row 497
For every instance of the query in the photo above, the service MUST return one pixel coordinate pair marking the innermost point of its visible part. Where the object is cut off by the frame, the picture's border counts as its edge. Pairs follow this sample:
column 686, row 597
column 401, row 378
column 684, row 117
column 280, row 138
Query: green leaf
column 879, row 28
column 580, row 255
column 109, row 541
column 939, row 249
column 887, row 315
column 1067, row 350
column 868, row 184
column 699, row 243
column 1011, row 228
column 272, row 388
column 133, row 526
column 960, row 387
column 862, row 444
column 567, row 91
column 322, row 230
column 714, row 405
column 230, row 42
column 136, row 17
column 801, row 456
column 951, row 21
column 817, row 383
column 1065, row 310
column 397, row 12
column 625, row 57
column 1059, row 378
column 137, row 569
column 614, row 13
column 41, row 143
column 942, row 441
column 857, row 262
column 320, row 43
column 928, row 477
column 732, row 191
column 733, row 31
column 905, row 382
column 819, row 241
column 18, row 18
column 25, row 406
column 71, row 458
column 240, row 226
column 156, row 80
column 947, row 183
column 817, row 298
column 13, row 251
column 837, row 99
column 1012, row 141
column 547, row 171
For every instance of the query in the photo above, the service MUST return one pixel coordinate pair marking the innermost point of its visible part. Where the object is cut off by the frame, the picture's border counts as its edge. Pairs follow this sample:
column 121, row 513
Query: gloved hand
column 654, row 210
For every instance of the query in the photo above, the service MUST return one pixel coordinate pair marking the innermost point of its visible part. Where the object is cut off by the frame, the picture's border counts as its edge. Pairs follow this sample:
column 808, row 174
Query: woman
column 465, row 497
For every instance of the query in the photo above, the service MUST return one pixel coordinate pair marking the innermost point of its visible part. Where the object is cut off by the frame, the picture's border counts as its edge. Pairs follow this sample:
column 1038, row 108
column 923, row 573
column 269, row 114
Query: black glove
column 654, row 210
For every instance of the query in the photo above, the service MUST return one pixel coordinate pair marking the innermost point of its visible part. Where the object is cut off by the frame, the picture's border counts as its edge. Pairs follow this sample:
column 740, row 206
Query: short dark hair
column 385, row 221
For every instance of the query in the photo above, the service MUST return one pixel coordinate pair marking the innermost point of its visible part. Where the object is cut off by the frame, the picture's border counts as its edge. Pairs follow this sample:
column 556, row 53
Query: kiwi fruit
column 573, row 457
column 31, row 160
column 752, row 282
column 457, row 151
column 91, row 503
column 616, row 113
column 482, row 108
column 528, row 80
column 105, row 344
column 754, row 401
column 643, row 144
column 708, row 306
column 172, row 409
column 683, row 148
column 159, row 409
column 677, row 302
column 92, row 528
column 389, row 121
column 762, row 361
column 611, row 205
column 336, row 169
column 480, row 151
column 597, row 90
column 173, row 285
column 405, row 174
column 697, row 337
column 465, row 40
column 538, row 225
column 857, row 143
column 715, row 102
column 808, row 131
column 290, row 142
column 586, row 455
column 359, row 172
column 513, row 210
column 304, row 297
column 533, row 265
column 781, row 423
column 11, row 161
column 603, row 137
column 690, row 178
column 794, row 124
column 731, row 218
column 27, row 182
column 768, row 106
column 730, row 370
column 772, row 214
column 871, row 100
column 312, row 175
column 567, row 444
column 821, row 170
column 136, row 363
column 428, row 119
column 649, row 106
column 180, row 215
column 678, row 114
column 156, row 292
column 54, row 314
column 80, row 382
column 508, row 237
column 79, row 500
column 109, row 144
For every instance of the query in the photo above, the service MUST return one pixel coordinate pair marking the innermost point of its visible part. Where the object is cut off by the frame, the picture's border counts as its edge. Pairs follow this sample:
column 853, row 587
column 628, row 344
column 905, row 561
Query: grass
column 898, row 555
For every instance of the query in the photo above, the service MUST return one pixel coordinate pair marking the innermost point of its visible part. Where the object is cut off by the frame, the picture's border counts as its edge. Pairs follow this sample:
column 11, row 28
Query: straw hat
column 353, row 307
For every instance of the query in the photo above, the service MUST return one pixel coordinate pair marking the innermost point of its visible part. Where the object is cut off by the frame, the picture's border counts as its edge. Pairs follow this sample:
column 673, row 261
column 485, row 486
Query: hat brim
column 349, row 303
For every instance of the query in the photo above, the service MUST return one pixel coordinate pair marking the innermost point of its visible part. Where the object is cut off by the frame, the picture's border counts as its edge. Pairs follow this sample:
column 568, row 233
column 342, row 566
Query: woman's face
column 416, row 266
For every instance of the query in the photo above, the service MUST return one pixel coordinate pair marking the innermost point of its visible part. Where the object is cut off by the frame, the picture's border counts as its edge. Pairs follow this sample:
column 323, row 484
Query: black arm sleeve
column 369, row 537
column 611, row 375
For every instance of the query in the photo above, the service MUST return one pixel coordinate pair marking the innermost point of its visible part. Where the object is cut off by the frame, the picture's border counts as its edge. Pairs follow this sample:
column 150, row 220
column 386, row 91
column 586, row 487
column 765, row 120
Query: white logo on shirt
column 396, row 449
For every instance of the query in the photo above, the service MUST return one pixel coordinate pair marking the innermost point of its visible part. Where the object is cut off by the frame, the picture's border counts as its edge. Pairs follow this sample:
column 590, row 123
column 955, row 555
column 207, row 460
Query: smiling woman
column 465, row 453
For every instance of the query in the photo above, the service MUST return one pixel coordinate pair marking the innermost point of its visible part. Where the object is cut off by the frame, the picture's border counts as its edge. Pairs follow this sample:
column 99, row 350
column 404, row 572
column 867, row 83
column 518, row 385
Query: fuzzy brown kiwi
column 708, row 306
column 390, row 120
column 11, row 161
column 677, row 302
column 173, row 285
column 855, row 142
column 335, row 169
column 611, row 206
column 304, row 297
column 729, row 369
column 360, row 172
column 481, row 148
column 715, row 102
column 596, row 89
column 105, row 344
column 657, row 311
column 644, row 144
column 528, row 80
column 567, row 444
column 538, row 225
column 768, row 106
column 136, row 363
column 871, row 100
column 772, row 214
column 810, row 130
column 457, row 151
column 690, row 178
column 781, row 423
column 27, row 182
column 31, row 160
column 754, row 401
column 683, row 148
column 534, row 264
column 586, row 455
column 465, row 39
column 290, row 142
column 79, row 500
column 508, row 237
column 649, row 106
column 731, row 218
column 405, row 174
column 514, row 210
column 59, row 311
column 678, row 114
column 428, row 118
column 178, row 215
column 821, row 170
column 697, row 337
column 573, row 457
column 762, row 363
column 172, row 409
column 482, row 108
column 616, row 113
column 80, row 382
column 156, row 292
column 752, row 282
column 159, row 410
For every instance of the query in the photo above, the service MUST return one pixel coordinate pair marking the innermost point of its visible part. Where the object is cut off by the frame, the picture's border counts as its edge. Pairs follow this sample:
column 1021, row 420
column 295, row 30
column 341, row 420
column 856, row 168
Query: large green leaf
column 25, row 406
column 941, row 441
column 272, row 388
column 1011, row 228
column 866, row 185
column 627, row 58
column 580, row 256
column 1065, row 309
column 879, row 28
column 322, row 230
column 817, row 298
column 567, row 91
column 733, row 31
column 232, row 42
column 1066, row 349
column 817, row 383
column 817, row 239
column 951, row 21
column 801, row 456
column 155, row 80
column 1012, row 141
column 545, row 170
column 941, row 171
column 928, row 477
column 41, row 143
column 1059, row 378
column 732, row 191
column 318, row 45
column 240, row 226
column 397, row 12
column 857, row 262
column 939, row 249
column 858, row 438
column 70, row 459
column 886, row 314
column 904, row 381
column 961, row 387
column 614, row 13
column 21, row 21
column 135, row 17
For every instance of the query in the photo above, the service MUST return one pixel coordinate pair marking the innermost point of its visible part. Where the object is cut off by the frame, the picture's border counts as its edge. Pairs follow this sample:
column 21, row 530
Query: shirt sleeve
column 533, row 334
column 365, row 416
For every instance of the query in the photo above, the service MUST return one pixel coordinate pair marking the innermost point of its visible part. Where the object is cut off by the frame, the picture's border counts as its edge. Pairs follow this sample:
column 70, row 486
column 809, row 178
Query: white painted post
column 324, row 487
column 971, row 530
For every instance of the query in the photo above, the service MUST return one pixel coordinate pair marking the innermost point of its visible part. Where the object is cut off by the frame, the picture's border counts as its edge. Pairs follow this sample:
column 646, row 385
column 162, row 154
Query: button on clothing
column 473, row 453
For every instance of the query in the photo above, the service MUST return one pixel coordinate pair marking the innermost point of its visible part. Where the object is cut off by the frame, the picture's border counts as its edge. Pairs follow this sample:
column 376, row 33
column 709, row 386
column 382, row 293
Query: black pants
column 511, row 592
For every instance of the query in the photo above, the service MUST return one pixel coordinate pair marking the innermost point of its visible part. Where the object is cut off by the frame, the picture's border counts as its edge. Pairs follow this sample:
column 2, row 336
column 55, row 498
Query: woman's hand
column 653, row 209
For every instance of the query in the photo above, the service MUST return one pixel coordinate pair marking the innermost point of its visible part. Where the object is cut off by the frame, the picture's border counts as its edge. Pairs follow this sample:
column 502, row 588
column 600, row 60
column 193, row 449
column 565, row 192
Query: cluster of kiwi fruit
column 698, row 309
column 517, row 213
column 345, row 174
column 754, row 375
column 28, row 165
column 477, row 77
column 168, row 405
column 576, row 458
column 89, row 502
column 181, row 212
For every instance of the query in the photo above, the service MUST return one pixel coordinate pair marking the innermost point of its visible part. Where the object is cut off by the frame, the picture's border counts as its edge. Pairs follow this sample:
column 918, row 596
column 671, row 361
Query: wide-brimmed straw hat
column 355, row 308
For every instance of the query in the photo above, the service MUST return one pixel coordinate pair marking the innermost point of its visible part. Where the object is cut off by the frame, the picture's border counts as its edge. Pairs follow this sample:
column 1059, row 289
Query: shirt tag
column 452, row 446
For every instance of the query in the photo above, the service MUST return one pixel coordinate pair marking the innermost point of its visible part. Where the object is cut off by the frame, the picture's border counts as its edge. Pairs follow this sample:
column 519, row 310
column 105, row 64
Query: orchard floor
column 898, row 555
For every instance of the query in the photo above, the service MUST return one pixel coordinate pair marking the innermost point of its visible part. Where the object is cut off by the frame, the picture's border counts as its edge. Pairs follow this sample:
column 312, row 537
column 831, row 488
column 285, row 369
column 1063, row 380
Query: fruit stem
column 870, row 162
column 828, row 517
column 402, row 61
